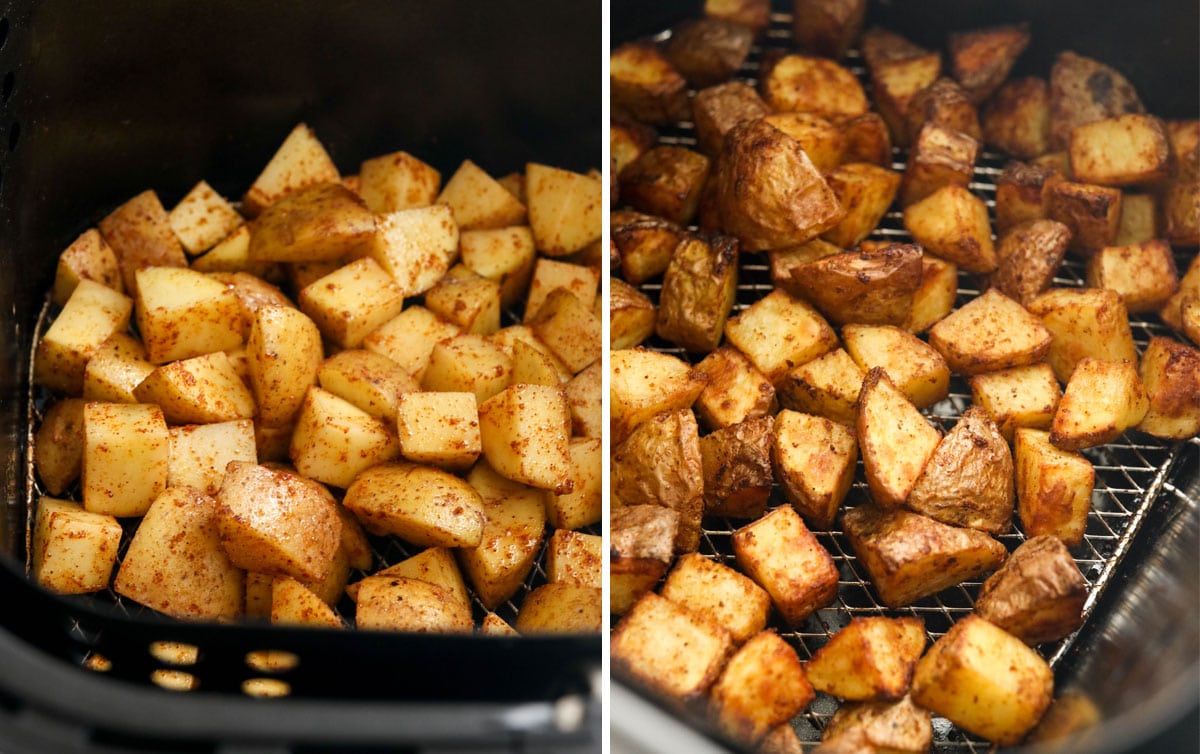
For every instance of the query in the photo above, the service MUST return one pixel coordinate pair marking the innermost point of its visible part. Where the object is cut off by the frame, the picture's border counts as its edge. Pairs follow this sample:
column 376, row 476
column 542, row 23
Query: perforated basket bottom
column 1130, row 472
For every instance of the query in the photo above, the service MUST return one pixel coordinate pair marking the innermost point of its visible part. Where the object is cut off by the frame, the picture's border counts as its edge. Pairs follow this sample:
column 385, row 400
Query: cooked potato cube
column 1092, row 213
column 92, row 315
column 779, row 332
column 397, row 181
column 293, row 604
column 735, row 390
column 1054, row 487
column 641, row 545
column 969, row 478
column 1180, row 211
column 914, row 367
column 871, row 659
column 467, row 363
column 439, row 428
column 798, row 83
column 582, row 505
column 645, row 244
column 666, row 181
column 868, row 727
column 1037, row 595
column 827, row 386
column 549, row 274
column 821, row 140
column 1189, row 291
column 1143, row 274
column 935, row 296
column 984, row 680
column 232, row 254
column 202, row 390
column 783, row 261
column 646, row 85
column 352, row 301
column 990, row 333
column 1023, row 194
column 1170, row 372
column 643, row 383
column 953, row 224
column 200, row 453
column 1019, row 397
column 574, row 558
column 707, row 51
column 867, row 140
column 982, row 58
column 88, row 257
column 1139, row 219
column 525, row 431
column 631, row 315
column 398, row 603
column 895, row 439
column 866, row 192
column 627, row 138
column 909, row 556
column 422, row 505
column 513, row 529
column 126, row 454
column 717, row 109
column 175, row 562
column 899, row 70
column 863, row 286
column 1072, row 713
column 1082, row 91
column 762, row 685
column 334, row 439
column 946, row 103
column 719, row 594
column 416, row 246
column 698, row 292
column 74, row 550
column 1084, row 322
column 1030, row 255
column 1102, row 400
column 1016, row 120
column 479, row 201
column 814, row 461
column 737, row 468
column 940, row 157
column 828, row 28
column 1120, row 151
column 139, row 233
column 559, row 608
column 782, row 556
column 755, row 14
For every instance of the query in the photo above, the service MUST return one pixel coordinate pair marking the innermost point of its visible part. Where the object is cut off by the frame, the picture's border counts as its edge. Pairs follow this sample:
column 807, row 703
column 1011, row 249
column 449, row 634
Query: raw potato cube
column 232, row 254
column 1170, row 372
column 698, row 292
column 814, row 461
column 1054, row 487
column 779, row 332
column 798, row 83
column 549, row 274
column 874, row 286
column 571, row 331
column 1030, row 255
column 140, row 234
column 564, row 209
column 990, row 333
column 984, row 680
column 559, row 608
column 88, row 257
column 334, row 439
column 200, row 453
column 93, row 314
column 1084, row 322
column 866, row 191
column 646, row 85
column 735, row 390
column 182, row 313
column 513, row 529
column 115, row 370
column 433, row 564
column 582, row 506
column 707, row 51
column 326, row 222
column 1023, row 194
column 126, row 452
column 736, row 462
column 74, row 551
column 416, row 246
column 369, row 380
column 409, row 338
column 397, row 603
column 1038, row 595
column 422, row 505
column 946, row 103
column 1093, row 213
column 301, row 161
column 505, row 255
column 479, row 201
column 1119, row 151
column 782, row 556
column 1016, row 120
column 895, row 439
column 494, row 625
column 822, row 141
column 631, row 316
column 914, row 367
column 939, row 157
column 284, row 350
column 439, row 428
column 1102, row 400
column 58, row 445
column 253, row 293
column 981, row 59
column 660, row 464
column 867, row 727
column 953, row 223
column 467, row 300
column 909, row 556
column 293, row 604
column 525, row 431
column 935, row 296
column 827, row 386
column 352, row 301
column 668, row 650
column 397, row 181
column 643, row 383
column 762, row 686
column 202, row 218
column 203, row 390
column 1143, row 274
column 719, row 108
column 871, row 659
column 641, row 545
column 828, row 28
column 1018, row 397
column 719, row 594
column 969, row 478
column 585, row 398
column 574, row 558
column 532, row 360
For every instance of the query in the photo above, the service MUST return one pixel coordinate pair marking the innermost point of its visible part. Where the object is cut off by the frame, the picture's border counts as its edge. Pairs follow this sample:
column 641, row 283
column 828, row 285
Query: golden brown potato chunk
column 666, row 181
column 719, row 594
column 814, row 460
column 1120, row 151
column 1023, row 193
column 869, row 727
column 867, row 139
column 783, row 261
column 644, row 244
column 630, row 315
column 753, row 13
column 737, row 468
column 1083, row 90
column 1054, row 487
column 708, row 51
column 1170, row 372
column 827, row 27
column 1038, row 594
column 1016, row 120
column 762, row 686
column 895, row 439
column 645, row 84
column 866, row 192
column 871, row 659
column 698, row 292
column 1102, row 400
column 869, row 287
column 945, row 103
column 641, row 546
column 899, row 70
column 736, row 390
column 719, row 108
column 1019, row 397
column 821, row 140
column 783, row 557
column 627, row 140
column 935, row 297
column 1030, row 255
column 827, row 386
column 779, row 332
column 991, row 332
column 981, row 59
column 953, row 224
column 914, row 367
column 798, row 83
column 1142, row 274
column 1084, row 322
column 940, row 157
column 643, row 383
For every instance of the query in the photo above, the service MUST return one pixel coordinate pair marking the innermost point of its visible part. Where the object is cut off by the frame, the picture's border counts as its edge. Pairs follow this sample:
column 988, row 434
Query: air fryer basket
column 99, row 101
column 1137, row 655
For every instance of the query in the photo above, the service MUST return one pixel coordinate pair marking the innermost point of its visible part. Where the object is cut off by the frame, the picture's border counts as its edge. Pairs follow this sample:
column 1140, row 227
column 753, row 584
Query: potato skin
column 708, row 51
column 666, row 181
column 867, row 287
column 1030, row 255
column 1083, row 90
column 1038, row 595
column 737, row 468
column 719, row 108
column 698, row 291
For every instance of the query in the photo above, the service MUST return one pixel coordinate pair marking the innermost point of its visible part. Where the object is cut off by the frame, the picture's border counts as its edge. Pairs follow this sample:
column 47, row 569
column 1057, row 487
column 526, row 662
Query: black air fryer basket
column 1138, row 654
column 102, row 100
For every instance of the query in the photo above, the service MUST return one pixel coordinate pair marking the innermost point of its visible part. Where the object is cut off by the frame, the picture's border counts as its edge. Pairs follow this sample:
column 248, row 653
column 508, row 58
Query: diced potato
column 666, row 181
column 1189, row 292
column 74, row 550
column 584, row 398
column 409, row 338
column 946, row 103
column 139, row 233
column 126, row 452
column 708, row 50
column 870, row 286
column 814, row 461
column 1084, row 322
column 643, row 383
column 990, row 333
column 494, row 625
column 1016, row 120
column 1139, row 219
column 574, row 558
column 1072, row 713
column 284, row 350
column 1102, row 400
column 397, row 603
column 763, row 685
column 369, row 380
column 736, row 462
column 1030, row 255
column 627, row 139
column 646, row 85
column 439, row 428
column 641, row 545
column 422, row 505
column 202, row 390
column 935, row 296
column 982, row 58
column 719, row 594
column 58, row 445
column 175, row 563
column 397, row 181
column 899, row 70
column 631, row 316
column 915, row 368
column 416, row 246
column 433, row 564
column 325, row 222
column 719, row 108
column 182, row 313
column 782, row 556
column 479, row 201
column 1038, row 595
column 825, row 28
column 1093, row 213
column 115, row 370
column 1126, row 149
column 200, row 453
column 940, row 157
column 334, row 439
column 92, row 315
column 1170, row 373
column 513, row 529
column 525, row 431
column 564, row 209
column 1179, row 211
column 1082, row 91
column 867, row 140
column 822, row 141
column 868, row 727
column 784, row 261
column 827, row 386
column 352, row 301
column 871, row 659
column 558, row 608
column 698, row 292
column 505, row 255
column 779, row 332
column 755, row 14
column 1054, row 487
column 569, row 329
column 549, row 274
column 300, row 161
column 953, row 223
column 1143, row 274
column 88, row 257
column 202, row 218
column 797, row 83
column 984, row 680
column 232, row 254
column 467, row 300
column 735, row 390
column 582, row 506
column 253, row 293
column 866, row 191
column 1023, row 194
column 895, row 439
column 1019, row 397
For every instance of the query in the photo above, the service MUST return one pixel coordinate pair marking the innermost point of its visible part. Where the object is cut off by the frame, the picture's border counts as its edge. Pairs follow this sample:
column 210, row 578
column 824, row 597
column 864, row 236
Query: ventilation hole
column 266, row 688
column 271, row 660
column 174, row 652
column 14, row 135
column 3, row 31
column 6, row 89
column 97, row 662
column 174, row 680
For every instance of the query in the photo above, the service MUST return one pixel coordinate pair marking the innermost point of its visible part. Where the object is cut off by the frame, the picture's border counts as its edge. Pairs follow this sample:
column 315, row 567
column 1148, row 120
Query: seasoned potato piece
column 175, row 562
column 763, row 685
column 232, row 254
column 1189, row 291
column 525, row 431
column 868, row 727
column 126, row 456
column 564, row 208
column 182, row 313
column 505, row 255
column 293, row 604
column 1084, row 322
column 981, row 59
column 1030, row 255
column 441, row 429
column 139, row 233
column 88, row 257
column 969, row 478
column 646, row 85
column 299, row 162
column 1143, row 274
column 371, row 381
column 821, row 140
column 990, row 333
column 561, row 608
column 582, row 505
column 584, row 398
column 1038, row 594
column 827, row 386
column 468, row 363
column 1139, row 219
column 984, row 680
column 767, row 191
column 814, row 460
column 352, row 301
column 643, row 383
column 1170, row 372
column 1023, row 193
column 645, row 244
column 755, row 14
column 736, row 462
column 1092, row 213
column 798, row 83
column 779, row 332
column 940, row 157
column 895, row 439
column 571, row 331
column 397, row 603
column 871, row 659
column 627, row 139
column 641, row 545
column 334, row 440
column 1120, row 151
column 899, row 70
column 416, row 246
column 574, row 558
column 549, row 274
column 1054, row 487
column 783, row 557
column 93, row 314
column 1016, row 120
column 867, row 140
column 783, row 261
column 284, row 351
column 1102, row 400
column 946, row 103
column 1072, row 713
column 719, row 594
column 478, row 201
column 935, row 296
column 669, row 650
column 1082, row 91
column 513, row 529
column 914, row 367
column 781, row 739
column 74, row 550
column 827, row 28
column 866, row 192
column 707, row 51
column 735, row 390
column 201, row 452
column 698, row 292
column 397, row 181
column 1180, row 211
column 719, row 108
column 909, row 556
column 631, row 316
column 202, row 218
column 953, row 224
column 325, row 222
column 58, row 445
column 1019, row 397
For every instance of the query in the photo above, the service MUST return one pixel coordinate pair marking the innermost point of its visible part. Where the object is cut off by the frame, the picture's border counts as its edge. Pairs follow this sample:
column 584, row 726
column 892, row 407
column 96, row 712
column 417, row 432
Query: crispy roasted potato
column 1029, row 256
column 628, row 139
column 646, row 85
column 868, row 727
column 1023, row 193
column 953, row 224
column 736, row 461
column 946, row 103
column 719, row 108
column 827, row 386
column 1016, row 120
column 1084, row 322
column 1170, row 373
column 1120, row 151
column 981, row 59
column 935, row 296
column 643, row 383
column 641, row 546
column 1019, row 397
column 940, row 156
column 1102, row 399
column 660, row 464
column 666, row 181
column 866, row 192
column 1082, row 91
column 798, row 83
column 814, row 461
column 644, row 244
column 755, row 14
column 762, row 685
column 1142, row 274
column 707, row 51
column 1139, row 219
column 561, row 608
column 779, row 332
column 825, row 27
column 913, row 366
column 719, row 594
column 899, row 70
column 698, row 292
column 1038, row 594
column 866, row 287
column 1092, row 213
column 1054, row 487
column 991, row 332
column 871, row 659
column 867, row 140
column 822, row 141
column 783, row 261
column 783, row 557
column 735, row 390
column 895, row 439
column 630, row 316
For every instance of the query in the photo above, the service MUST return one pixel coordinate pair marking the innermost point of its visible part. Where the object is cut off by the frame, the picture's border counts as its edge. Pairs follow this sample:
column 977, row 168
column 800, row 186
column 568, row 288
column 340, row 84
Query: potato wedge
column 397, row 603
column 866, row 192
column 736, row 462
